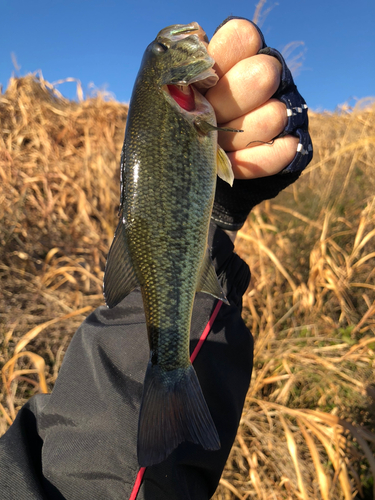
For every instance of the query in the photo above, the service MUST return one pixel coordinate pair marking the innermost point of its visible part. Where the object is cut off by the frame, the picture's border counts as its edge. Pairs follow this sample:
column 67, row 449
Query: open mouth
column 183, row 95
column 197, row 70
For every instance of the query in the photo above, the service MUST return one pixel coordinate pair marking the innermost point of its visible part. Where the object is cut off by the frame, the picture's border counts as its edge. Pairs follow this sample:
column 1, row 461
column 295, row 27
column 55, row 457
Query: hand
column 242, row 100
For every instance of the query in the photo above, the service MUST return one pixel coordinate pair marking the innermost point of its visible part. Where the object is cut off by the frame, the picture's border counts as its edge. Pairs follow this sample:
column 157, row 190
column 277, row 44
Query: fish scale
column 171, row 207
column 169, row 167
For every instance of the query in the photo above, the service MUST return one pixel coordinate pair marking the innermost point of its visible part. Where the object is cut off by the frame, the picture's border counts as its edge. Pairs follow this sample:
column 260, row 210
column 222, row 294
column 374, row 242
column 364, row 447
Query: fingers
column 247, row 80
column 263, row 124
column 265, row 159
column 246, row 86
column 242, row 99
column 238, row 39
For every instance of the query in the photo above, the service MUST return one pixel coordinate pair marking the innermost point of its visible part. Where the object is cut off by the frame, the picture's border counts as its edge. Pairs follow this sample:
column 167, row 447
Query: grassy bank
column 308, row 426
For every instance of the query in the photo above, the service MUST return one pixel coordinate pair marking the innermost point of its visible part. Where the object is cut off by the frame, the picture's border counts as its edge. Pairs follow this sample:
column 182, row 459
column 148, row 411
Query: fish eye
column 159, row 48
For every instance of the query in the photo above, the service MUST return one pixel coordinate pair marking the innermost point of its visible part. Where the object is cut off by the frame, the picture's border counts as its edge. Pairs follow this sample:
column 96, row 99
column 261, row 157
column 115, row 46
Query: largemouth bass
column 169, row 164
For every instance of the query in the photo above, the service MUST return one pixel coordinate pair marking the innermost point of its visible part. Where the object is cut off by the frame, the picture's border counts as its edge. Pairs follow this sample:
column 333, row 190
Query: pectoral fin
column 209, row 282
column 119, row 277
column 224, row 166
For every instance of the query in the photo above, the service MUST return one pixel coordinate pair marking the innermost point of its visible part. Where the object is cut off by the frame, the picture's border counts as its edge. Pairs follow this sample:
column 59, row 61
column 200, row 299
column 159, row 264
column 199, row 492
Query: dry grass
column 307, row 430
column 58, row 203
column 308, row 425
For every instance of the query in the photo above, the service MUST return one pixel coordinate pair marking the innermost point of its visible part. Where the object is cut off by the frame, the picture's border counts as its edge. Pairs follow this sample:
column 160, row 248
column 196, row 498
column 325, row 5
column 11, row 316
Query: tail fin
column 173, row 410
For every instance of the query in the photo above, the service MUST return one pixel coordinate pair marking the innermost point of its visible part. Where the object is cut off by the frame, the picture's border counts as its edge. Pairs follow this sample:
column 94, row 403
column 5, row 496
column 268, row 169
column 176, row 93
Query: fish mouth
column 198, row 68
column 183, row 95
column 182, row 91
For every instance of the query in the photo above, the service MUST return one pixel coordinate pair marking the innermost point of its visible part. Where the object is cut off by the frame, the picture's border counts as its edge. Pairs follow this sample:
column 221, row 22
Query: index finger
column 235, row 41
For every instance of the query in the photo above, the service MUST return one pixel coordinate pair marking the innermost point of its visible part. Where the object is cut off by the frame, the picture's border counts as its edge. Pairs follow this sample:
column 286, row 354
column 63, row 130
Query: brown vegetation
column 308, row 425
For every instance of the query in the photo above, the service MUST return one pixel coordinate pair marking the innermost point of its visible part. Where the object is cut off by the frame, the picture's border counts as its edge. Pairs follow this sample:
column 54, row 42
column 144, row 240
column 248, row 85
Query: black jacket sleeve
column 79, row 442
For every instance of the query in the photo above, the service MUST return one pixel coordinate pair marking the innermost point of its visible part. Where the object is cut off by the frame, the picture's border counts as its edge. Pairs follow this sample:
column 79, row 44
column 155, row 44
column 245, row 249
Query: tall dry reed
column 308, row 423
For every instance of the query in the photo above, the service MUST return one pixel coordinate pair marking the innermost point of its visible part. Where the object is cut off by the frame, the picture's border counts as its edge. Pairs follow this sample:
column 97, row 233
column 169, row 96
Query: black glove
column 233, row 204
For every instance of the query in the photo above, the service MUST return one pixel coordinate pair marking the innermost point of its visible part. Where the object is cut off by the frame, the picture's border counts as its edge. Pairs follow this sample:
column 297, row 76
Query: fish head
column 178, row 58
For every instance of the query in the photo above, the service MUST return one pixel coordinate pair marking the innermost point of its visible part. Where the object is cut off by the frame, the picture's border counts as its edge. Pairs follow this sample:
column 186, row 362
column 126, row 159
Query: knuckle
column 287, row 148
column 279, row 114
column 244, row 32
column 268, row 72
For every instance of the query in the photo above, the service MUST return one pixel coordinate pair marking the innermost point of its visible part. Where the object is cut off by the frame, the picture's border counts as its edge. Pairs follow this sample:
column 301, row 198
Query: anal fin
column 119, row 277
column 209, row 282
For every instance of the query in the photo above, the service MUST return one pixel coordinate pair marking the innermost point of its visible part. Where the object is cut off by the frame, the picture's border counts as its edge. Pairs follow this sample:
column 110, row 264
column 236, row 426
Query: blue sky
column 102, row 41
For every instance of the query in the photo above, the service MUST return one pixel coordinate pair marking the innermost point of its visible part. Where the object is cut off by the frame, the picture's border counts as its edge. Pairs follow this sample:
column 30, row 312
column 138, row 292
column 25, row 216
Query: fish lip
column 204, row 80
